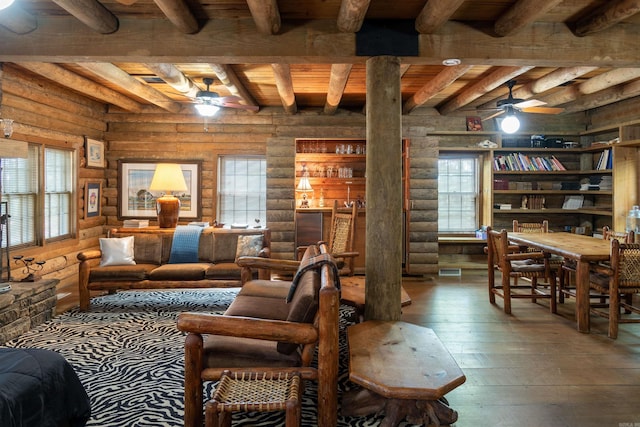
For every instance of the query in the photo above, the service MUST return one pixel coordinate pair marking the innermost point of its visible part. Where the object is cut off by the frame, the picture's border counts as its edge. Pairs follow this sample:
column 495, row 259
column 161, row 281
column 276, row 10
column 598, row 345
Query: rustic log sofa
column 271, row 326
column 153, row 265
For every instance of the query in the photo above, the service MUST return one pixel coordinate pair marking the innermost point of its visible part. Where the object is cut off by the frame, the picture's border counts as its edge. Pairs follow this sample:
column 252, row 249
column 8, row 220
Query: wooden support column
column 384, row 189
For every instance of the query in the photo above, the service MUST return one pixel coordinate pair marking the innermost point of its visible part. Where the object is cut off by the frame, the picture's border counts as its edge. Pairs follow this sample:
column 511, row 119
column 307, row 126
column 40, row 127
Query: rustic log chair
column 620, row 278
column 568, row 267
column 341, row 238
column 555, row 261
column 533, row 265
column 236, row 340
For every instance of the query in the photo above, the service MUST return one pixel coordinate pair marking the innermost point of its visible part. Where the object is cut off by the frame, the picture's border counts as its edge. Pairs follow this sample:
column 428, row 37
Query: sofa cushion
column 223, row 271
column 188, row 271
column 147, row 248
column 117, row 251
column 266, row 288
column 259, row 307
column 234, row 352
column 248, row 245
column 224, row 246
column 205, row 247
column 121, row 272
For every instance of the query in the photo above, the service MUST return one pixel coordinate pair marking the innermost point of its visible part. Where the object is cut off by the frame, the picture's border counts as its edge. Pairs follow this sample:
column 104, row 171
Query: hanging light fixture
column 205, row 100
column 510, row 124
column 5, row 4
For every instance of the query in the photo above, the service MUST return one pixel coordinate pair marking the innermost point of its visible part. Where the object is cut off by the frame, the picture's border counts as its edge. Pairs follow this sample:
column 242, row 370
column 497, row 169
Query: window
column 242, row 189
column 458, row 194
column 39, row 199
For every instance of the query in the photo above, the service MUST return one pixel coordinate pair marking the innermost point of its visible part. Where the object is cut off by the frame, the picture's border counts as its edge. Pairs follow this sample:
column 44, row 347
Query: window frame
column 221, row 192
column 478, row 201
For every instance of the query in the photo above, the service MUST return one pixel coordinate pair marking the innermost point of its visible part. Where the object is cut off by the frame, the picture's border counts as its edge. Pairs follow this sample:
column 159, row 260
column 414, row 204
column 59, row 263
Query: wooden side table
column 254, row 392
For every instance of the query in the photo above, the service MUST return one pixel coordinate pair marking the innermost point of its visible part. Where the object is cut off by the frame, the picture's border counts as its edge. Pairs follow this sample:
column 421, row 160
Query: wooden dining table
column 580, row 248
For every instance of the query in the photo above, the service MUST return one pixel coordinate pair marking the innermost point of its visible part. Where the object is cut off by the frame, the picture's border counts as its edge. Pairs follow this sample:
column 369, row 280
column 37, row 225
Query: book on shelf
column 573, row 202
column 203, row 224
column 135, row 223
column 605, row 160
column 523, row 162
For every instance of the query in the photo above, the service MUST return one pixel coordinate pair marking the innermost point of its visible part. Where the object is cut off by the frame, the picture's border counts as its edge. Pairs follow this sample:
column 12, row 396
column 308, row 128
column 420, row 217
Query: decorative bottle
column 321, row 200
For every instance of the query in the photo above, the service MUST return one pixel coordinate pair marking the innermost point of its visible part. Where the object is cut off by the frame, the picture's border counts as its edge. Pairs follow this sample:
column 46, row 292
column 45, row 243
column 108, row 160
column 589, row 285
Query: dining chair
column 513, row 265
column 568, row 267
column 555, row 261
column 619, row 279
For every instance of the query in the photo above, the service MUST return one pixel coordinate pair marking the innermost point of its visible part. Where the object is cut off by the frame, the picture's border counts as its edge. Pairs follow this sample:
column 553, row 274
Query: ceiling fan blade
column 529, row 103
column 542, row 110
column 239, row 106
column 496, row 114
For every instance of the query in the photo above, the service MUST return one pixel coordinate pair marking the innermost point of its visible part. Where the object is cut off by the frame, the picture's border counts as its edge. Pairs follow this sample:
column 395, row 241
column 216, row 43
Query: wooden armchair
column 244, row 338
column 513, row 265
column 620, row 279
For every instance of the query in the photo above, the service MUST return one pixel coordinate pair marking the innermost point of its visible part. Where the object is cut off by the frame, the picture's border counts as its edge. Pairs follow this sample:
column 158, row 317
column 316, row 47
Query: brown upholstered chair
column 512, row 265
column 262, row 332
column 619, row 279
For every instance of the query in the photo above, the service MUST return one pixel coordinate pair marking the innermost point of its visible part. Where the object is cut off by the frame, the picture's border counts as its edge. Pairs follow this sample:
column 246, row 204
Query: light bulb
column 207, row 110
column 510, row 124
column 5, row 4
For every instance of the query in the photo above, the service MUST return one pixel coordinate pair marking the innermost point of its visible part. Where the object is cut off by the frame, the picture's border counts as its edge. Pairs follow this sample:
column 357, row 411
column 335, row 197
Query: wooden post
column 384, row 189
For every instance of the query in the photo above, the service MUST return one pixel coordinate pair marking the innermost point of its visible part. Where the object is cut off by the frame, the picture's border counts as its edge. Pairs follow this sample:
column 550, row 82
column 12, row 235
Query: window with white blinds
column 39, row 198
column 242, row 190
column 458, row 194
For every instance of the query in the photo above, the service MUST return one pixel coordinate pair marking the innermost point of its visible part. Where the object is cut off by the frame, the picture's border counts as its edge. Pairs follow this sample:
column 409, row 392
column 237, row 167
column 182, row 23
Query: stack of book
column 605, row 161
column 135, row 223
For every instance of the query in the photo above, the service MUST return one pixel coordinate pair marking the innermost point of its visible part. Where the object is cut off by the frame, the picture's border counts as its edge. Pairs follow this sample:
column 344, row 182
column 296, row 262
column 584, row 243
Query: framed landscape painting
column 135, row 200
column 94, row 153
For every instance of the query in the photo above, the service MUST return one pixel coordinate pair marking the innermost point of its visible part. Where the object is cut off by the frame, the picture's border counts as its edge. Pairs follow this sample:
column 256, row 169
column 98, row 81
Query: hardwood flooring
column 531, row 368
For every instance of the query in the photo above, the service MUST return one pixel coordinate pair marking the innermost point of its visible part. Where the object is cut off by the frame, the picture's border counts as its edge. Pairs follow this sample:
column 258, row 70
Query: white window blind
column 242, row 190
column 58, row 179
column 458, row 188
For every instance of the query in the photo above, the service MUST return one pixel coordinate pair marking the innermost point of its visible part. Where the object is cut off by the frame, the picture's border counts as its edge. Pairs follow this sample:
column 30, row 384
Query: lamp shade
column 5, row 4
column 168, row 177
column 304, row 184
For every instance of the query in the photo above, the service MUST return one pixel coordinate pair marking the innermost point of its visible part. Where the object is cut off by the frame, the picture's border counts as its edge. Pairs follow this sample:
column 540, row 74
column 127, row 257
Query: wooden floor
column 531, row 368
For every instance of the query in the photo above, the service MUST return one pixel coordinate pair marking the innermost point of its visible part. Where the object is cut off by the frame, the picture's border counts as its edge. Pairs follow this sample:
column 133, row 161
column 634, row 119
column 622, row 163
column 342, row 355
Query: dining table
column 583, row 249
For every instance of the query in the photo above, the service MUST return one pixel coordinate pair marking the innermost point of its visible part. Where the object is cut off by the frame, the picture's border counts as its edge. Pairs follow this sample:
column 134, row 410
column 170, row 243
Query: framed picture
column 136, row 201
column 92, row 195
column 94, row 153
column 474, row 123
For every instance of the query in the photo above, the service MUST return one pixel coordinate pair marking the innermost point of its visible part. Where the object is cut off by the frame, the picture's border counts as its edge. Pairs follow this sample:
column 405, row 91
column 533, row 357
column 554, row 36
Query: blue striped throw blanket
column 184, row 247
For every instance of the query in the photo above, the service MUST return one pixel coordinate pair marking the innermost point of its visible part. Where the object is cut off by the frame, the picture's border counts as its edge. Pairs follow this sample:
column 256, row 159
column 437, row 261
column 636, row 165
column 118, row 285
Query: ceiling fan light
column 510, row 124
column 207, row 110
column 5, row 4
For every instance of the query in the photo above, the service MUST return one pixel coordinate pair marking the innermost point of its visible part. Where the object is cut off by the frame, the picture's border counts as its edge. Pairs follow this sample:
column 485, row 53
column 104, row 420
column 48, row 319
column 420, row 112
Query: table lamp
column 168, row 177
column 304, row 186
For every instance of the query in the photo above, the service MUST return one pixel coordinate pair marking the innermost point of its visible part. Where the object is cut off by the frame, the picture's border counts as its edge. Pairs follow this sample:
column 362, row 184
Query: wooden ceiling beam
column 91, row 13
column 266, row 15
column 521, row 14
column 174, row 78
column 284, row 83
column 337, row 83
column 178, row 12
column 17, row 20
column 606, row 16
column 230, row 79
column 130, row 84
column 604, row 97
column 351, row 15
column 435, row 13
column 593, row 85
column 487, row 84
column 82, row 85
column 437, row 84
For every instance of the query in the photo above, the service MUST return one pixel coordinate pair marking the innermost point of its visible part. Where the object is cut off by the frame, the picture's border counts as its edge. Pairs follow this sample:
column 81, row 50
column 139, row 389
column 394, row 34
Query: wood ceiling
column 151, row 55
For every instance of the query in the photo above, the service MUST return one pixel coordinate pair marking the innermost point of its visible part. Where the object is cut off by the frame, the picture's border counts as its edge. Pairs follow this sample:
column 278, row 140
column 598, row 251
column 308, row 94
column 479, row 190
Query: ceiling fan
column 208, row 103
column 510, row 105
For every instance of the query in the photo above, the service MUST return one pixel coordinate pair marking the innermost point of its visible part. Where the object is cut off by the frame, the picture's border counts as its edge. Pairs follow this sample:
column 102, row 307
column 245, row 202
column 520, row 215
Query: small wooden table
column 405, row 370
column 582, row 249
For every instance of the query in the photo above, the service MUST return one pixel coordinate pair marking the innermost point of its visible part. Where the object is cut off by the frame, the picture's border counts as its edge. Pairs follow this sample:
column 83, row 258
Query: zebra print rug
column 130, row 358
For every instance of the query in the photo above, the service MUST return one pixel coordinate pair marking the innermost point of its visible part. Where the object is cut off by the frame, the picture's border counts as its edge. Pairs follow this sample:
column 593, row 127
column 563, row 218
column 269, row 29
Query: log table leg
column 363, row 402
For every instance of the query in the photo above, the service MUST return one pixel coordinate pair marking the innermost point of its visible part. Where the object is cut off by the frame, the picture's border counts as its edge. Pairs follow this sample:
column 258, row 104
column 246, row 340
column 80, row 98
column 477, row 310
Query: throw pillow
column 116, row 251
column 248, row 246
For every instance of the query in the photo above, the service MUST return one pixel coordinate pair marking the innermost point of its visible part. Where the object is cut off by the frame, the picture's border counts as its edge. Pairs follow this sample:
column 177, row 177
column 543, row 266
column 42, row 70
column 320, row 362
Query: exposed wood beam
column 91, row 13
column 608, row 15
column 489, row 83
column 17, row 20
column 81, row 84
column 351, row 15
column 119, row 77
column 604, row 97
column 230, row 79
column 282, row 74
column 435, row 13
column 174, row 78
column 593, row 85
column 179, row 14
column 439, row 82
column 266, row 15
column 521, row 14
column 337, row 83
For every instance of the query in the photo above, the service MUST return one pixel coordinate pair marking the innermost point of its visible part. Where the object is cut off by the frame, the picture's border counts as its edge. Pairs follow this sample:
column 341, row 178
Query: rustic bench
column 405, row 371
